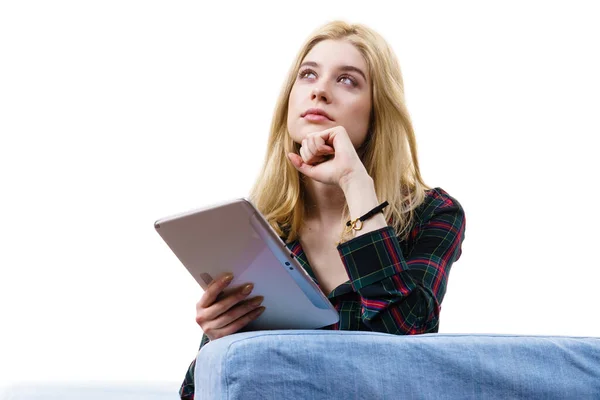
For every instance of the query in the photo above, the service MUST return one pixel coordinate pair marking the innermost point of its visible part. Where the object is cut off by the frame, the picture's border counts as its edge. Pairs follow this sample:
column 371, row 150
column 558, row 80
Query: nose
column 320, row 94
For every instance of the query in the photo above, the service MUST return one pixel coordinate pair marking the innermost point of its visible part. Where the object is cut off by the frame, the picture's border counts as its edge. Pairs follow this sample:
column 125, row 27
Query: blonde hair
column 389, row 152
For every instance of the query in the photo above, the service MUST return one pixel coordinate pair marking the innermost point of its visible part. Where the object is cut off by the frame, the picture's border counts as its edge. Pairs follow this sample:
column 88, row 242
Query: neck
column 324, row 203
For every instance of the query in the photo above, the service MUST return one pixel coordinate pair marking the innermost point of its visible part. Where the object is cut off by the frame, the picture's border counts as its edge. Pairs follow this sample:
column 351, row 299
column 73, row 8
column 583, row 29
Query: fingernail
column 247, row 289
column 256, row 302
column 259, row 311
column 227, row 279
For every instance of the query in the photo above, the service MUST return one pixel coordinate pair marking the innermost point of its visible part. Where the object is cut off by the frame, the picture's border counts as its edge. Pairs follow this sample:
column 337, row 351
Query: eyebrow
column 342, row 68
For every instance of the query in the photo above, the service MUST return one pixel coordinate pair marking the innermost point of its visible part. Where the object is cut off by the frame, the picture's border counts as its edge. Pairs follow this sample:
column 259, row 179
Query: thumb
column 300, row 165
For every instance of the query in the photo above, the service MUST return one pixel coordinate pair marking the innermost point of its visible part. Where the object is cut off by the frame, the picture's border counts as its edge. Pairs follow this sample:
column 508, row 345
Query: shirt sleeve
column 403, row 295
column 186, row 391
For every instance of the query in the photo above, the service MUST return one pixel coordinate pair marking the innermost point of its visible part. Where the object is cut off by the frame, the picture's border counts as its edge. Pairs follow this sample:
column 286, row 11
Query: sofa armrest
column 357, row 365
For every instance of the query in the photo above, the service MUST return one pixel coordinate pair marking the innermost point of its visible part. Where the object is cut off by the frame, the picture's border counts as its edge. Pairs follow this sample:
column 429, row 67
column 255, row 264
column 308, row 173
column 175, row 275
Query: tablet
column 234, row 237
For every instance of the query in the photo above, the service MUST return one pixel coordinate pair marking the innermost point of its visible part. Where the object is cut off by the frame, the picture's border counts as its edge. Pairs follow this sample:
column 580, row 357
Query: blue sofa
column 319, row 364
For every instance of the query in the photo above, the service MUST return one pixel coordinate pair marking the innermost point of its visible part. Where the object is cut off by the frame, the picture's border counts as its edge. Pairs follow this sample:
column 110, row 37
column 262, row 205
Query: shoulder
column 436, row 201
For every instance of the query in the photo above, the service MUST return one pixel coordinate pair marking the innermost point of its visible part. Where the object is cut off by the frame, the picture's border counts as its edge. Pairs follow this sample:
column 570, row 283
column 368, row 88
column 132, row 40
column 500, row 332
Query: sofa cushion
column 364, row 365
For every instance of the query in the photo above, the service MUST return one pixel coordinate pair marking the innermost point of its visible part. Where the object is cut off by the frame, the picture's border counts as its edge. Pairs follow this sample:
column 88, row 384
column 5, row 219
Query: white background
column 116, row 113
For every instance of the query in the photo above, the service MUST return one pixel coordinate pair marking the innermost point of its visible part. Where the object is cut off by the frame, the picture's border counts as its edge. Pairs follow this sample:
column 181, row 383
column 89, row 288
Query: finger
column 222, row 306
column 338, row 135
column 322, row 134
column 301, row 166
column 320, row 146
column 239, row 323
column 304, row 154
column 326, row 135
column 214, row 289
column 319, row 140
column 313, row 154
column 312, row 145
column 295, row 159
column 307, row 150
column 237, row 312
column 326, row 149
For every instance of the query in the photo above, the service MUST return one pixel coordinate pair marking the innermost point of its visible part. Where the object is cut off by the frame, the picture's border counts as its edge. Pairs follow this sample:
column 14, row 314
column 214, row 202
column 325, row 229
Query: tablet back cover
column 233, row 237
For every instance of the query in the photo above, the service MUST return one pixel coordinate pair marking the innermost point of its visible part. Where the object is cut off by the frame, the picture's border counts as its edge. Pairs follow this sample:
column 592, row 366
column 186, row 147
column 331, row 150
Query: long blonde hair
column 389, row 153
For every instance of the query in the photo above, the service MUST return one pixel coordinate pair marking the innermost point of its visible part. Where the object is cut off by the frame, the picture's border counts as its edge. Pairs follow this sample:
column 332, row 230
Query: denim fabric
column 313, row 365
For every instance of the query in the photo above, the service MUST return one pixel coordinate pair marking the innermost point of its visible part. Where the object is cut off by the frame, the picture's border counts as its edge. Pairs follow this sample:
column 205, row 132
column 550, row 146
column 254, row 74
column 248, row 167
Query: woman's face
column 332, row 79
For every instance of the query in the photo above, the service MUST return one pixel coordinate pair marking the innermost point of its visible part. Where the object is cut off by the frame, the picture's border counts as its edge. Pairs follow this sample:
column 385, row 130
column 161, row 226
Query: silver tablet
column 234, row 237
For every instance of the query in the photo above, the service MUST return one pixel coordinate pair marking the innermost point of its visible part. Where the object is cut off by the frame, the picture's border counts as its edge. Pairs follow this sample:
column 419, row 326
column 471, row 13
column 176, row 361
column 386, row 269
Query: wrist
column 362, row 198
column 354, row 180
column 360, row 194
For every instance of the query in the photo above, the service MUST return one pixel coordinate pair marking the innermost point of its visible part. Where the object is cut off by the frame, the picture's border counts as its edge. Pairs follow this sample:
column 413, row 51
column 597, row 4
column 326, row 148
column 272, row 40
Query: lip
column 316, row 114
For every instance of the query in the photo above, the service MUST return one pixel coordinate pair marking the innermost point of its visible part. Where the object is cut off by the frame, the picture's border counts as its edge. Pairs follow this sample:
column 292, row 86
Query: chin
column 305, row 130
column 301, row 130
column 298, row 134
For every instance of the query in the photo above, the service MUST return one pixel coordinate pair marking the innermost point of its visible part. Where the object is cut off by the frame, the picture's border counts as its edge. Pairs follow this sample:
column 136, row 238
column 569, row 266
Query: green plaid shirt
column 395, row 286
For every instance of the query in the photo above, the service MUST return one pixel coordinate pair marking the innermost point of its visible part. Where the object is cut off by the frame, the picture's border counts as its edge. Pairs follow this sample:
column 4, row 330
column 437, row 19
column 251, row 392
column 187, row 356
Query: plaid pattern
column 395, row 286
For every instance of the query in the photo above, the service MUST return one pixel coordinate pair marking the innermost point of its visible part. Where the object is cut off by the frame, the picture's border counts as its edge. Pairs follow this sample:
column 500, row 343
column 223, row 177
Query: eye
column 347, row 80
column 305, row 73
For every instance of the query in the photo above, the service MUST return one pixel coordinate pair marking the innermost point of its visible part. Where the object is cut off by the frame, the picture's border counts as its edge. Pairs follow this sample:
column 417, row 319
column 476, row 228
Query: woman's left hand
column 327, row 156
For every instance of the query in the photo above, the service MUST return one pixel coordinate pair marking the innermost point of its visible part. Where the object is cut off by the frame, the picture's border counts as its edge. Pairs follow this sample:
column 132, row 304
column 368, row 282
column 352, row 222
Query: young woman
column 341, row 185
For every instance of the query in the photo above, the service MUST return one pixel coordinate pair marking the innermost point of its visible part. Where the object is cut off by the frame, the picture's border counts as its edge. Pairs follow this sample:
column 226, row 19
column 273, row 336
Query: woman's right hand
column 220, row 316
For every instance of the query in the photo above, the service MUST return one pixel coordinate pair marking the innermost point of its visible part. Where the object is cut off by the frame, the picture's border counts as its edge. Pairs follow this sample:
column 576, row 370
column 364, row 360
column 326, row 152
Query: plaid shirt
column 395, row 286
